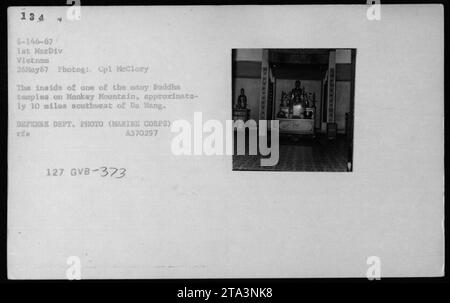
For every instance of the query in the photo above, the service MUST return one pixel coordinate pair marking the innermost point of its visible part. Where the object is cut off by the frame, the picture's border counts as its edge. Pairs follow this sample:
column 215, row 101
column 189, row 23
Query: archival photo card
column 185, row 142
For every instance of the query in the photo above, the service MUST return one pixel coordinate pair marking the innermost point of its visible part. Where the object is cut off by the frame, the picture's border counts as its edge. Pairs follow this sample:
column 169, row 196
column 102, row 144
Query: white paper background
column 193, row 217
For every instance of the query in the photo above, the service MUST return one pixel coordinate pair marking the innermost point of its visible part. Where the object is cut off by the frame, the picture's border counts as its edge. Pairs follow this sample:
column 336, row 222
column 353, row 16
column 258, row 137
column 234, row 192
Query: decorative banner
column 331, row 95
column 264, row 85
column 264, row 90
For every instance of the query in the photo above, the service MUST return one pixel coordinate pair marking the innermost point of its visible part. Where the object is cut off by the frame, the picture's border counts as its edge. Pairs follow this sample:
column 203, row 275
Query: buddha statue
column 297, row 93
column 284, row 100
column 298, row 105
column 242, row 100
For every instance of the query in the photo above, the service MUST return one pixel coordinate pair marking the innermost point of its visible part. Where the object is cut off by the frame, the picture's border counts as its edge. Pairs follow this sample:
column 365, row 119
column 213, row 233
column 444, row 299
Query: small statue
column 298, row 105
column 281, row 114
column 242, row 100
column 283, row 99
column 297, row 93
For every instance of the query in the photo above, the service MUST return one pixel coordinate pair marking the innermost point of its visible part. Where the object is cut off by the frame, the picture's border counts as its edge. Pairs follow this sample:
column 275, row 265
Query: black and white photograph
column 310, row 92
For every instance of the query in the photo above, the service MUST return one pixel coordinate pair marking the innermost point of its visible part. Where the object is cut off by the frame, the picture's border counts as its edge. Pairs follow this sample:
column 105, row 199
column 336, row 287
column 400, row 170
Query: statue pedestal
column 297, row 126
column 241, row 114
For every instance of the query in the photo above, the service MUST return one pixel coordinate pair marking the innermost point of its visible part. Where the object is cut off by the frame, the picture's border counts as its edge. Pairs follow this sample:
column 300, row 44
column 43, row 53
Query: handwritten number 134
column 32, row 17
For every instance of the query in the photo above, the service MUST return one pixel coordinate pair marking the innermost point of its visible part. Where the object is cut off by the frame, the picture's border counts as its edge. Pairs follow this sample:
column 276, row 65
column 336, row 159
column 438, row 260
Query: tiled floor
column 302, row 154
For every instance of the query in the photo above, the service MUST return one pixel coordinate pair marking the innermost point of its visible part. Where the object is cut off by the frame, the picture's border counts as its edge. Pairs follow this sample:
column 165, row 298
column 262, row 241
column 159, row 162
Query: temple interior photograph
column 311, row 94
